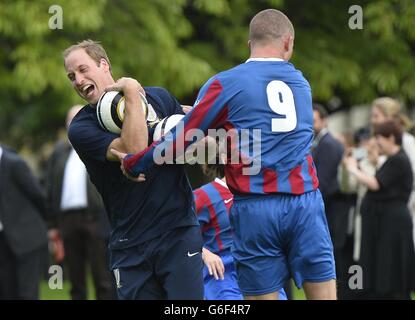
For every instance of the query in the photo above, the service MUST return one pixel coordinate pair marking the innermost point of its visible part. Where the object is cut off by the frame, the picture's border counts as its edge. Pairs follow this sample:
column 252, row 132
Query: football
column 166, row 125
column 110, row 110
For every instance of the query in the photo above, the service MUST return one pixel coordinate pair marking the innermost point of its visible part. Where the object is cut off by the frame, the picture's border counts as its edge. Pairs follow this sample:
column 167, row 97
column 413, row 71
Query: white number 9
column 281, row 101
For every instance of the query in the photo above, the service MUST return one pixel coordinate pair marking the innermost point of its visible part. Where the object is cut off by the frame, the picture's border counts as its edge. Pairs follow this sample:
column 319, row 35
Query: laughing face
column 88, row 78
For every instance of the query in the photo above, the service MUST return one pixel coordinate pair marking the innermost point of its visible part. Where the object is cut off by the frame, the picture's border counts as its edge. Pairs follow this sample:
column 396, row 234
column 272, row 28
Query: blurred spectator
column 387, row 252
column 81, row 219
column 327, row 154
column 366, row 154
column 386, row 108
column 22, row 231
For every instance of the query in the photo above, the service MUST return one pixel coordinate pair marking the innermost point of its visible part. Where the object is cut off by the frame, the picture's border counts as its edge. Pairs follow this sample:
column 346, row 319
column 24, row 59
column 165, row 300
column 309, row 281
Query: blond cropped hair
column 269, row 25
column 93, row 48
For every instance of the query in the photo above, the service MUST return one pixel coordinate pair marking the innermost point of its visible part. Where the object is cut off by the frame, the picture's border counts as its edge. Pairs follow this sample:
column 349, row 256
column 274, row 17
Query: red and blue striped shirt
column 213, row 202
column 267, row 95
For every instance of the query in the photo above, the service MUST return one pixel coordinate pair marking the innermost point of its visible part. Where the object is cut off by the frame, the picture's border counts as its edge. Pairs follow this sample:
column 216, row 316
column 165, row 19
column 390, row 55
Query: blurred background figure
column 80, row 218
column 23, row 234
column 384, row 109
column 387, row 252
column 365, row 151
column 327, row 154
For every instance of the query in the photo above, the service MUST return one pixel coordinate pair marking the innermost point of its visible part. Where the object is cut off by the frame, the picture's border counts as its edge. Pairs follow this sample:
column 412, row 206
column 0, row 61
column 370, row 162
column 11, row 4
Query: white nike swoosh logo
column 191, row 254
column 228, row 200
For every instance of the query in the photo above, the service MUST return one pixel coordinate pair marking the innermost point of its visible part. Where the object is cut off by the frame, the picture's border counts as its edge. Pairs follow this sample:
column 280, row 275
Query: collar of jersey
column 220, row 181
column 264, row 59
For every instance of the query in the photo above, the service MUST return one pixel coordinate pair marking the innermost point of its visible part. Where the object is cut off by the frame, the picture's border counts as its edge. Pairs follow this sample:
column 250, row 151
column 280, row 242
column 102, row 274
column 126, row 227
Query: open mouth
column 88, row 90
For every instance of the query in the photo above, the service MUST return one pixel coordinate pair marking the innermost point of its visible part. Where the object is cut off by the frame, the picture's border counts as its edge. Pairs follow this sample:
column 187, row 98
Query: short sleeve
column 202, row 210
column 390, row 172
column 170, row 102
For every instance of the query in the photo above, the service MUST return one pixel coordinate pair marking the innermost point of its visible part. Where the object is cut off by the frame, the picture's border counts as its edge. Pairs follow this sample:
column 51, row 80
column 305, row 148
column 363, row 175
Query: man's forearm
column 134, row 133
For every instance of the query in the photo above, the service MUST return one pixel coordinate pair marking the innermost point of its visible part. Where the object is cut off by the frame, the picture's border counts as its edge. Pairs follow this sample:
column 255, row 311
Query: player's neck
column 266, row 52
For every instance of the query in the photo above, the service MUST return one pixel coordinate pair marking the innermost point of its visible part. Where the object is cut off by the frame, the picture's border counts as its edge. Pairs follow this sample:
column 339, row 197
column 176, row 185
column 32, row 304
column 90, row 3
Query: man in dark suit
column 81, row 219
column 327, row 154
column 23, row 234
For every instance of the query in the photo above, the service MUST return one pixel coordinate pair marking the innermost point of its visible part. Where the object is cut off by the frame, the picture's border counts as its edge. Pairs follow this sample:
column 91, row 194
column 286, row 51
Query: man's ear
column 292, row 43
column 105, row 64
column 249, row 44
column 288, row 43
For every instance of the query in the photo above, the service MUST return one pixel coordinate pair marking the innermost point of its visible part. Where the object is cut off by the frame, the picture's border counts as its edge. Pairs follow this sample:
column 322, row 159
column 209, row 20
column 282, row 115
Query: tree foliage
column 179, row 44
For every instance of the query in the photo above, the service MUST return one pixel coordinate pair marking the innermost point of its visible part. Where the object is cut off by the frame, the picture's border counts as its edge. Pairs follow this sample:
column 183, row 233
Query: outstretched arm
column 210, row 112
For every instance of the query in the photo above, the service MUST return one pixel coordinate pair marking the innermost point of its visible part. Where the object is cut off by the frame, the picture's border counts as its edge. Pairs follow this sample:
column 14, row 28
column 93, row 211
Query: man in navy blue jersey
column 155, row 244
column 278, row 219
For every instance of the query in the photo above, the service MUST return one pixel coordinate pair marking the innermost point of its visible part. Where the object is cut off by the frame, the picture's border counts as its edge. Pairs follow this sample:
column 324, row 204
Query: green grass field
column 63, row 294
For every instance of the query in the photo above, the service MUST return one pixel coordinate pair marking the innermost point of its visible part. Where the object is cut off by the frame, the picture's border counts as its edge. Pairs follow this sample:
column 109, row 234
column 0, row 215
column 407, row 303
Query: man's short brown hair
column 389, row 128
column 322, row 112
column 269, row 25
column 92, row 48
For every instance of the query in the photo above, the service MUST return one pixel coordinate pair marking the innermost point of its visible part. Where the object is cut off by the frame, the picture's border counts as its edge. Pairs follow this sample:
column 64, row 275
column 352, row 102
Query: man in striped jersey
column 280, row 228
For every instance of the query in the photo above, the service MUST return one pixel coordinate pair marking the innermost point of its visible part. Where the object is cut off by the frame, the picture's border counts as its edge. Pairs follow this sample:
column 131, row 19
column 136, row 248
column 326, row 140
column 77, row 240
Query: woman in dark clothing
column 387, row 253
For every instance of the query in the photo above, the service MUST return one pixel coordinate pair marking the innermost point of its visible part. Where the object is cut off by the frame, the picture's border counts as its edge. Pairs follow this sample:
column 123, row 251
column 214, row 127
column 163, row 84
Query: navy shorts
column 167, row 267
column 277, row 237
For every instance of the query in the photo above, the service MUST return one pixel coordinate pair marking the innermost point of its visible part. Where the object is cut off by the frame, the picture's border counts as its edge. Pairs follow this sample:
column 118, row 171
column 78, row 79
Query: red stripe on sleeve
column 198, row 202
column 204, row 105
column 131, row 161
column 204, row 199
column 199, row 113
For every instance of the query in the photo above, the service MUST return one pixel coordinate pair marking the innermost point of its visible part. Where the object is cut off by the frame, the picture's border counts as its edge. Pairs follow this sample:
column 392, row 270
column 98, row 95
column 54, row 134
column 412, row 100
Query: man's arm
column 330, row 157
column 134, row 133
column 29, row 185
column 50, row 187
column 368, row 180
column 214, row 263
column 210, row 112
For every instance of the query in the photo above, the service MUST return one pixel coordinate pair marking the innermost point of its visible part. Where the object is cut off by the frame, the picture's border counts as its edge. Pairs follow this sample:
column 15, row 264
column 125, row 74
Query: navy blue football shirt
column 138, row 211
